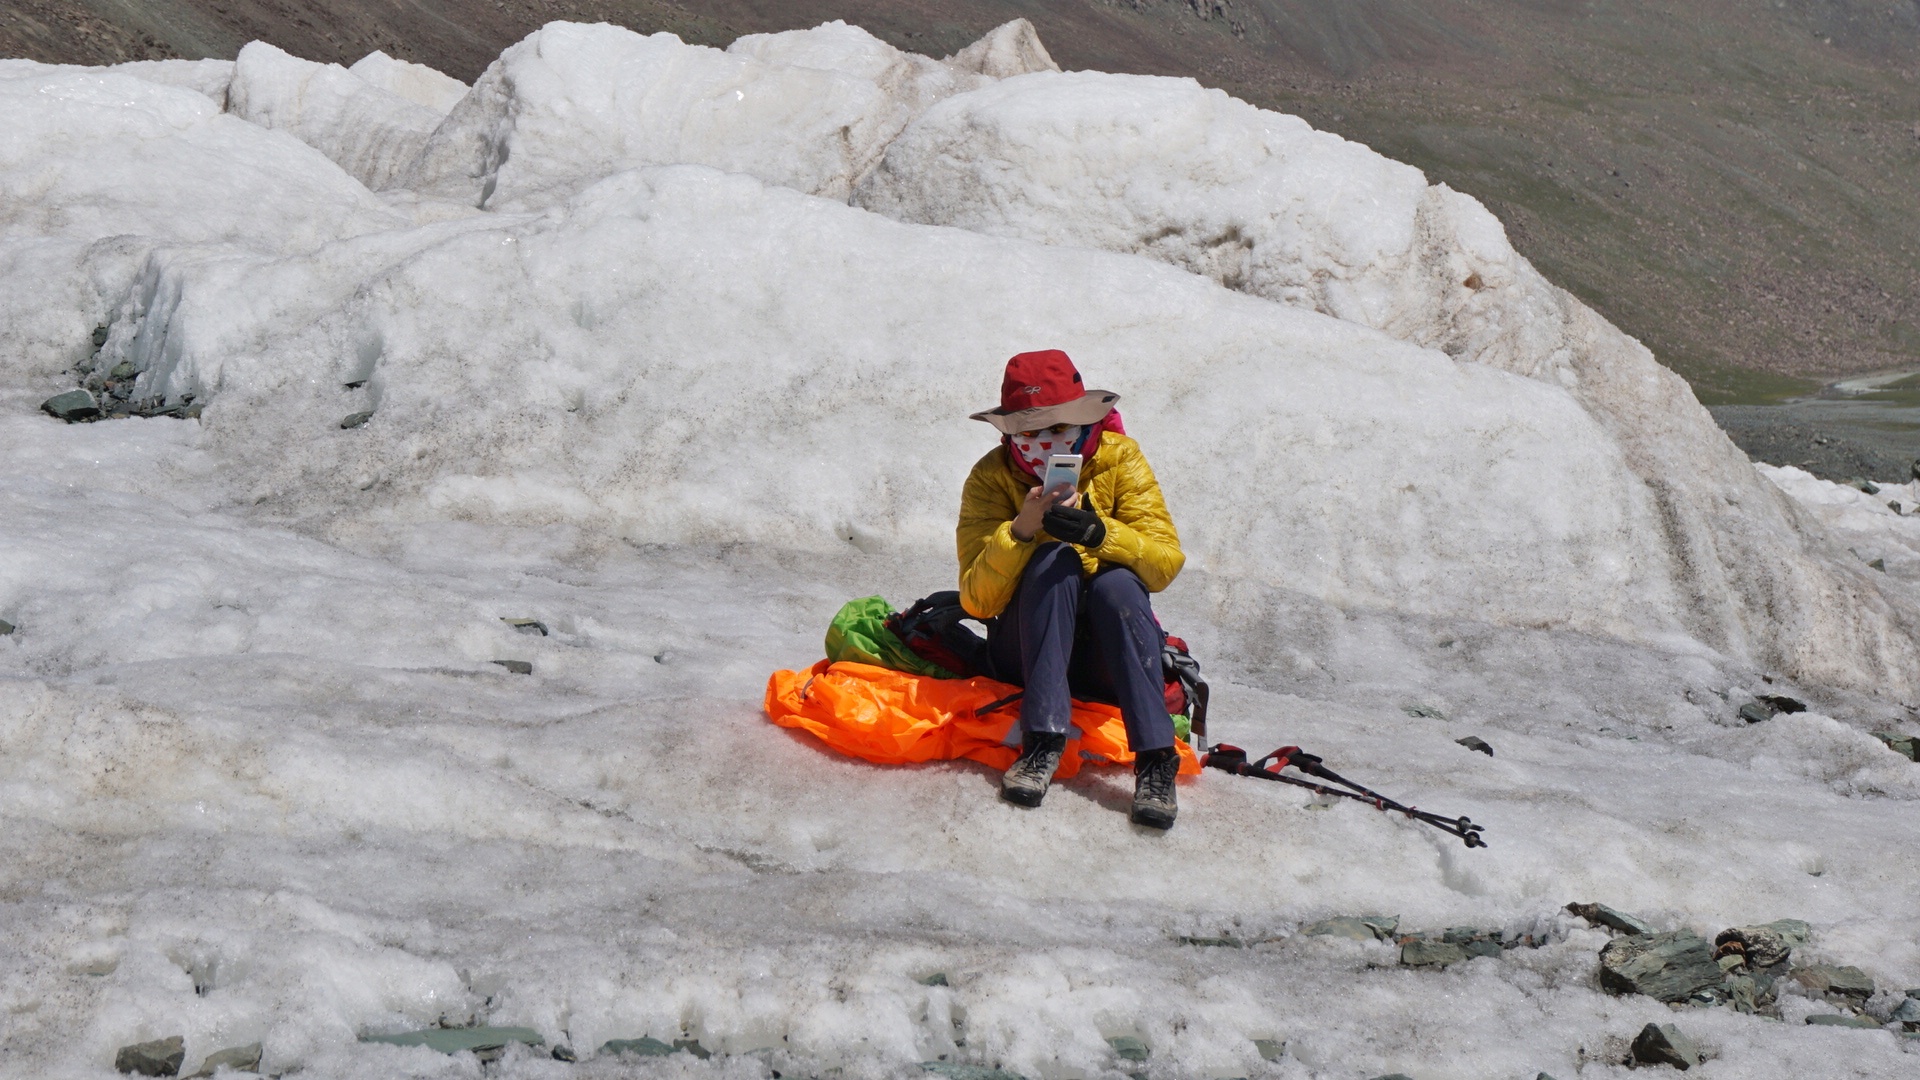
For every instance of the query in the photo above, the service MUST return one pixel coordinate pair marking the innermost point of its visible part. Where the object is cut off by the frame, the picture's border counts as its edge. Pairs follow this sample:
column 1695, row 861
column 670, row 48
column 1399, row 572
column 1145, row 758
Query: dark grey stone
column 1270, row 1049
column 953, row 1070
column 74, row 406
column 526, row 626
column 644, row 1046
column 1836, row 981
column 6, row 628
column 1878, row 564
column 1611, row 918
column 1475, row 742
column 455, row 1040
column 938, row 978
column 1909, row 1011
column 100, row 338
column 565, row 1053
column 1421, row 952
column 1423, row 712
column 1755, row 713
column 1783, row 703
column 354, row 420
column 161, row 1057
column 1128, row 1048
column 237, row 1058
column 1842, row 1020
column 123, row 370
column 1865, row 485
column 518, row 667
column 1344, row 926
column 1905, row 745
column 1670, row 967
column 1664, row 1044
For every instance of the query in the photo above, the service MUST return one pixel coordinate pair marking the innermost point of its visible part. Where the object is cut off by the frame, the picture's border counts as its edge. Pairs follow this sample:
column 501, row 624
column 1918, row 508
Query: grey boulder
column 237, row 1058
column 1848, row 983
column 161, row 1057
column 1866, row 1023
column 73, row 406
column 1664, row 1044
column 1669, row 967
column 1612, row 919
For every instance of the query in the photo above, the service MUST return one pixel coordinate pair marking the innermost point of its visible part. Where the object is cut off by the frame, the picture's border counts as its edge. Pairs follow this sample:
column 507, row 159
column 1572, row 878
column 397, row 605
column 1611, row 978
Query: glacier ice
column 671, row 394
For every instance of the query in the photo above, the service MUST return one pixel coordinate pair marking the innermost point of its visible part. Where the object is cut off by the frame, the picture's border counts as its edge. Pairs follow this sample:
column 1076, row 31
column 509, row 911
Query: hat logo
column 1030, row 390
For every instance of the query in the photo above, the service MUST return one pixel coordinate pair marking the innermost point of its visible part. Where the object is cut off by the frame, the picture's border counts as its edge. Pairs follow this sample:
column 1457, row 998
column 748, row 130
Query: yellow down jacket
column 1118, row 485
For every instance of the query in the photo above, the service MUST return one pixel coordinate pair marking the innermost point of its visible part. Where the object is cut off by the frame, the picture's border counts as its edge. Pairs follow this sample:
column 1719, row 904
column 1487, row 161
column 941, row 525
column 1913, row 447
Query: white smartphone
column 1062, row 469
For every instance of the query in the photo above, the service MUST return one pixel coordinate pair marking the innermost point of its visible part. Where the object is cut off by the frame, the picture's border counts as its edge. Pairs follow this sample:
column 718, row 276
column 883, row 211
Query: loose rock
column 1128, row 1048
column 1905, row 745
column 1865, row 485
column 518, row 667
column 1664, row 1044
column 1423, row 712
column 1848, row 983
column 938, row 978
column 354, row 420
column 74, row 406
column 1783, row 703
column 955, row 1071
column 1612, row 919
column 1475, row 742
column 1421, row 952
column 1270, row 1049
column 1908, row 1014
column 644, row 1046
column 161, row 1057
column 6, row 628
column 1669, row 967
column 238, row 1058
column 1755, row 713
column 526, row 626
column 1843, row 1020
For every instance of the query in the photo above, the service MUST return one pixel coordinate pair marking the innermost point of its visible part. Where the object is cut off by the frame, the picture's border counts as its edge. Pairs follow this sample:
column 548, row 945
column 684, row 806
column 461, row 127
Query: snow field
column 262, row 780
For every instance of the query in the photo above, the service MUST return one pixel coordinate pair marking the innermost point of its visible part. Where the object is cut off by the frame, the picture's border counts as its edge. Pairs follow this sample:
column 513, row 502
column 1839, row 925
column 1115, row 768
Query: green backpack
column 859, row 634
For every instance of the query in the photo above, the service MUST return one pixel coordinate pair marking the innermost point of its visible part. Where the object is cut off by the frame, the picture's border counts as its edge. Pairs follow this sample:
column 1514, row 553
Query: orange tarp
column 892, row 718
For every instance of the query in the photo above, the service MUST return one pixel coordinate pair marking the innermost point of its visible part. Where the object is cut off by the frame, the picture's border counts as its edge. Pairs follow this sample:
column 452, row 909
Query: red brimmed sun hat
column 1042, row 389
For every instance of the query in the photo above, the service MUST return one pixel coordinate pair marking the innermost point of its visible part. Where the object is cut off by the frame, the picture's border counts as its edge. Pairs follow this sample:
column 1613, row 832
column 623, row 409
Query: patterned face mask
column 1035, row 447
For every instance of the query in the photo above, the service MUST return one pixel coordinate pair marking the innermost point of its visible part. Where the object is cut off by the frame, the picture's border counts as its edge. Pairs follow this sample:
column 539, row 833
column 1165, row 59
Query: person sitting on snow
column 1061, row 577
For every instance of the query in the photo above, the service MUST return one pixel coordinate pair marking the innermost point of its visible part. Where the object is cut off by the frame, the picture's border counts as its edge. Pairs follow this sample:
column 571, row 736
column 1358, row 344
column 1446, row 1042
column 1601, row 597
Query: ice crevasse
column 685, row 293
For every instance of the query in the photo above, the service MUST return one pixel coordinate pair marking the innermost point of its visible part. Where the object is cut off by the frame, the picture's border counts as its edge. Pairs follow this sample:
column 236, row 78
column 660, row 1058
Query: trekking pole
column 1234, row 760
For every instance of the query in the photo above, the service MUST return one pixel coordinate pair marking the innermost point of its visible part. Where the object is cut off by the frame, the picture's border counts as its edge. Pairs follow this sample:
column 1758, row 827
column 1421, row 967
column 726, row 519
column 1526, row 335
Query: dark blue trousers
column 1065, row 636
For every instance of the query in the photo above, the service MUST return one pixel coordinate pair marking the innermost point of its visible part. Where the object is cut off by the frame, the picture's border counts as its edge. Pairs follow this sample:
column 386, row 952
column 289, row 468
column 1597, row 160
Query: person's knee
column 1118, row 592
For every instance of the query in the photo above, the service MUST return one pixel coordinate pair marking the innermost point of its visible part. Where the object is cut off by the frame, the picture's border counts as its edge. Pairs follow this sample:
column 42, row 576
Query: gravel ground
column 1833, row 439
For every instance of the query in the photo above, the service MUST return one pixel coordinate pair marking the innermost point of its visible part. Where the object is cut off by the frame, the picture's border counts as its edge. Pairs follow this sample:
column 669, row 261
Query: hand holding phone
column 1062, row 469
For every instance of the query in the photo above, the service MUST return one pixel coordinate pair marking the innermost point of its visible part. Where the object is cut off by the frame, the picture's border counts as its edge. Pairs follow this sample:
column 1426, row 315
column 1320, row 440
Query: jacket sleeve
column 1140, row 534
column 991, row 560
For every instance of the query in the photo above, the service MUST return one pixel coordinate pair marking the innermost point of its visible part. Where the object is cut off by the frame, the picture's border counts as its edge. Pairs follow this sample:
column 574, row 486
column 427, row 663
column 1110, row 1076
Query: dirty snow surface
column 671, row 349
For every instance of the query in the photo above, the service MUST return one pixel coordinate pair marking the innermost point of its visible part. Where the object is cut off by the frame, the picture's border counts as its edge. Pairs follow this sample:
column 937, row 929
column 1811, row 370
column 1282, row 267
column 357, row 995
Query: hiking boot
column 1153, row 801
column 1026, row 780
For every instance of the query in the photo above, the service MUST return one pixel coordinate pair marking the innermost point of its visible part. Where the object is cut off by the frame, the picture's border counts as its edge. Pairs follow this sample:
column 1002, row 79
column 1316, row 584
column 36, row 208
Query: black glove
column 1075, row 526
